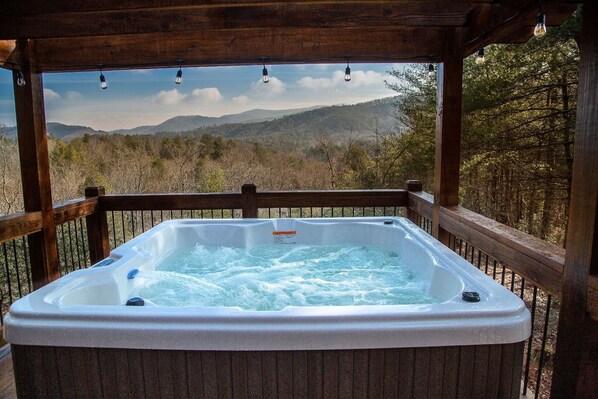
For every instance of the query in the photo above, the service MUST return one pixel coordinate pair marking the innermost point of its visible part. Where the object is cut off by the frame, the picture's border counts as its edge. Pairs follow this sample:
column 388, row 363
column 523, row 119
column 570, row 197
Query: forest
column 516, row 157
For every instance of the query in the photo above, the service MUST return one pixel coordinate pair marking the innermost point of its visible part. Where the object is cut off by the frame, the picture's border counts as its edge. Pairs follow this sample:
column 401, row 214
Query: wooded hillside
column 517, row 144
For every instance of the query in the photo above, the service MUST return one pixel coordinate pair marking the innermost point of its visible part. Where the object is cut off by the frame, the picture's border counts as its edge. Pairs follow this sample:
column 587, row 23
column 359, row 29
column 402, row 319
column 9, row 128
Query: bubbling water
column 272, row 277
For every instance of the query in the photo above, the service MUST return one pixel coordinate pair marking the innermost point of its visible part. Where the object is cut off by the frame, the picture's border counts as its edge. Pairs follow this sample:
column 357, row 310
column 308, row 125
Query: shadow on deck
column 7, row 381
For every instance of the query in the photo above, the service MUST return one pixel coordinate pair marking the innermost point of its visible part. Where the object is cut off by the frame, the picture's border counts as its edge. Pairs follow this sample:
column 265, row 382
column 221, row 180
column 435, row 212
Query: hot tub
column 467, row 341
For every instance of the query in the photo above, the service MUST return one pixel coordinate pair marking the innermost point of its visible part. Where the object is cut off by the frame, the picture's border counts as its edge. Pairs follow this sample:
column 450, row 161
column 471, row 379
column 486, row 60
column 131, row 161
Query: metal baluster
column 133, row 223
column 27, row 265
column 122, row 220
column 68, row 225
column 529, row 343
column 7, row 273
column 77, row 245
column 542, row 349
column 113, row 230
column 83, row 241
column 14, row 250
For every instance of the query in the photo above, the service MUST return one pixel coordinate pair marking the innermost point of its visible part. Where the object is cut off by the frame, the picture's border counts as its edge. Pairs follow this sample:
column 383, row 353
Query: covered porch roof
column 75, row 36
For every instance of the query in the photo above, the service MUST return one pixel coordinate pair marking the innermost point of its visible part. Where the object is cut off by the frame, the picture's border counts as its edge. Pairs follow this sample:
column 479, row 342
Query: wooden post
column 35, row 166
column 412, row 186
column 576, row 361
column 97, row 229
column 448, row 130
column 249, row 201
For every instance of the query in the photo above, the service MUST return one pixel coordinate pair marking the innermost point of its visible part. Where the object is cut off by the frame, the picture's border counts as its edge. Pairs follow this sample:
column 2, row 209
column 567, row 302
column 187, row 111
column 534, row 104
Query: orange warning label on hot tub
column 284, row 233
column 284, row 236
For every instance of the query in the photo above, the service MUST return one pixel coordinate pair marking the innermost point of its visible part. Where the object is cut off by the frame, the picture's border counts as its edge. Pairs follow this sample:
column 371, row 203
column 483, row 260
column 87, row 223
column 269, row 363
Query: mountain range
column 338, row 119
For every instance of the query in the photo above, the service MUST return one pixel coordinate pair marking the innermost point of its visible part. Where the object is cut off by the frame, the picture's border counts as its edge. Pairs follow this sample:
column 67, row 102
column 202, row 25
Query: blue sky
column 148, row 97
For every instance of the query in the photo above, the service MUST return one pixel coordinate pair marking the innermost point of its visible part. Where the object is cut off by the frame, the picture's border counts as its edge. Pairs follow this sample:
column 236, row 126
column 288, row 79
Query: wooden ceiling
column 71, row 35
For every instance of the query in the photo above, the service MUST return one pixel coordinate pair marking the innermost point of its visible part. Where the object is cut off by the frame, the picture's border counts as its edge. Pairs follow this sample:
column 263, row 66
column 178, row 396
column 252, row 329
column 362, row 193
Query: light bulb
column 430, row 71
column 347, row 73
column 103, row 83
column 179, row 76
column 265, row 77
column 540, row 29
column 20, row 79
column 480, row 59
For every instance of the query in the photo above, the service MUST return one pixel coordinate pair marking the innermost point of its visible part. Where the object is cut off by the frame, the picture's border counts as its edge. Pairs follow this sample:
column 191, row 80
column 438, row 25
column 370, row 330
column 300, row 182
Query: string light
column 540, row 29
column 179, row 74
column 265, row 77
column 430, row 71
column 348, row 72
column 480, row 57
column 20, row 77
column 103, row 83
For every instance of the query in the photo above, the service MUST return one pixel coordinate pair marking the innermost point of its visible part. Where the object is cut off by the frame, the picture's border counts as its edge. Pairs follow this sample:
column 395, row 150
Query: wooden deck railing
column 87, row 228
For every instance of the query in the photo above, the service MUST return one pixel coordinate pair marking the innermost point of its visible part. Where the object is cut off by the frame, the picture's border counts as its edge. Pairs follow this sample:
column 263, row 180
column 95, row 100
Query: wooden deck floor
column 7, row 380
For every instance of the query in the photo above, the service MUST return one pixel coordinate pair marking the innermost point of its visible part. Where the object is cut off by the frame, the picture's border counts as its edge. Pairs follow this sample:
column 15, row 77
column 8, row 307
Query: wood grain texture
column 449, row 97
column 35, row 168
column 581, row 258
column 97, row 227
column 234, row 16
column 34, row 7
column 447, row 372
column 241, row 47
column 336, row 198
column 74, row 209
column 134, row 202
column 19, row 224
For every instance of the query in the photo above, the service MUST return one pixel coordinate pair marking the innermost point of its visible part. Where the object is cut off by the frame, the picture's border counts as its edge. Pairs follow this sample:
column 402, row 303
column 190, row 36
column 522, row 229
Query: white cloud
column 208, row 94
column 337, row 80
column 142, row 71
column 168, row 97
column 73, row 95
column 273, row 88
column 51, row 95
column 241, row 100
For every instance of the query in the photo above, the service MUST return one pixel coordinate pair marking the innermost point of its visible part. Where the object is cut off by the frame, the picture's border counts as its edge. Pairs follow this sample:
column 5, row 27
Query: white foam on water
column 272, row 277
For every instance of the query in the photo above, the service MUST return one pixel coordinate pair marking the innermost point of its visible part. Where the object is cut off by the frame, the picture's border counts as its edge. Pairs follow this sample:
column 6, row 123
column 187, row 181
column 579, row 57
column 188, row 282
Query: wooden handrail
column 147, row 202
column 538, row 261
column 74, row 209
column 25, row 223
column 335, row 198
column 19, row 224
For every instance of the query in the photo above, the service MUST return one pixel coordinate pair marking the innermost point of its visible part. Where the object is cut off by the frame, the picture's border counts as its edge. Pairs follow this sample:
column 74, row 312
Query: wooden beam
column 225, row 47
column 198, row 19
column 448, row 131
column 501, row 22
column 581, row 258
column 35, row 167
column 40, row 7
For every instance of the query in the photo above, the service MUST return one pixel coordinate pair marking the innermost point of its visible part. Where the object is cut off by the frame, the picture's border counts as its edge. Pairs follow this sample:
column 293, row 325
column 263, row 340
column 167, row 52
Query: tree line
column 516, row 156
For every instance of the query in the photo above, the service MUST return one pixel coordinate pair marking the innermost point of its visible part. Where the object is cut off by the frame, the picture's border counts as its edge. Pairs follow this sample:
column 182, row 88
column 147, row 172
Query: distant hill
column 186, row 123
column 59, row 130
column 335, row 120
column 294, row 124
